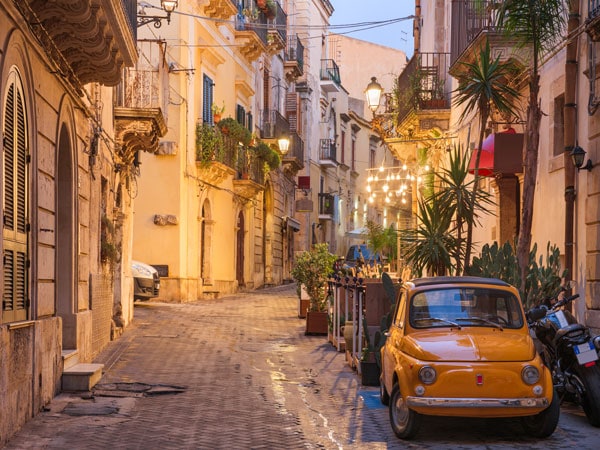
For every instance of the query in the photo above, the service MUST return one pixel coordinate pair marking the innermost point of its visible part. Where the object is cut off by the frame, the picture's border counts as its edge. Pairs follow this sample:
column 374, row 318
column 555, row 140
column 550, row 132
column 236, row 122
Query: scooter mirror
column 537, row 313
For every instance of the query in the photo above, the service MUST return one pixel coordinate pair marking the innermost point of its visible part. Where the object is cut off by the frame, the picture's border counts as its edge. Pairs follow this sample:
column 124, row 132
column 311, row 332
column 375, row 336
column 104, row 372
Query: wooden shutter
column 240, row 115
column 15, row 206
column 207, row 99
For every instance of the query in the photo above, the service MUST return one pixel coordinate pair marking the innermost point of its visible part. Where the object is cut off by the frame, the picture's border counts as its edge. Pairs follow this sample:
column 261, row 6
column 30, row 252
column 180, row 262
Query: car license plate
column 585, row 353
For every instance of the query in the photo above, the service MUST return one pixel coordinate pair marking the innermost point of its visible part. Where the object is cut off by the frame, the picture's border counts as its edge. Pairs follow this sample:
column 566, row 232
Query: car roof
column 429, row 281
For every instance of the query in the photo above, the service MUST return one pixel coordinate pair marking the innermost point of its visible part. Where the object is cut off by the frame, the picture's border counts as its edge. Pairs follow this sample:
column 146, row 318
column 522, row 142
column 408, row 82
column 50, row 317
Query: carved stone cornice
column 220, row 9
column 214, row 172
column 89, row 40
column 250, row 44
column 138, row 129
column 247, row 188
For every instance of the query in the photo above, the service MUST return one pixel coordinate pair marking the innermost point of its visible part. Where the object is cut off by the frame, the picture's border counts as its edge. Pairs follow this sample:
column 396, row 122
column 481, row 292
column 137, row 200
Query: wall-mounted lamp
column 578, row 155
column 167, row 5
column 284, row 144
column 373, row 94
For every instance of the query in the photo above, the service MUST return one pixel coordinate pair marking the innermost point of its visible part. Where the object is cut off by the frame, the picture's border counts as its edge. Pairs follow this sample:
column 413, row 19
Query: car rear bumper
column 425, row 402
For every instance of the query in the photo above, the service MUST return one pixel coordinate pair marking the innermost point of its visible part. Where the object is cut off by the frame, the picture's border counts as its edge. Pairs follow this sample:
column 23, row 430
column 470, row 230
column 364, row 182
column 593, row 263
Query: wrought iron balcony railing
column 327, row 150
column 274, row 125
column 326, row 204
column 139, row 88
column 295, row 51
column 330, row 71
column 424, row 84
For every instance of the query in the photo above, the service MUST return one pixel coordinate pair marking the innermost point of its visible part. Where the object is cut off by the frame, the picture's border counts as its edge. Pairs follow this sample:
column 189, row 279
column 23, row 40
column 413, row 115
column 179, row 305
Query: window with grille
column 15, row 293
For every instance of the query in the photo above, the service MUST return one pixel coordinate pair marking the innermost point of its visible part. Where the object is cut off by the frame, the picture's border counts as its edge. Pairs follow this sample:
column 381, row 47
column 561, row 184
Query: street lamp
column 167, row 5
column 578, row 155
column 284, row 144
column 373, row 93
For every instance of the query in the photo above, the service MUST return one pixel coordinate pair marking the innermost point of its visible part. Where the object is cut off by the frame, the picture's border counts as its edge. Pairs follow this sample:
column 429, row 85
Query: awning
column 358, row 233
column 501, row 154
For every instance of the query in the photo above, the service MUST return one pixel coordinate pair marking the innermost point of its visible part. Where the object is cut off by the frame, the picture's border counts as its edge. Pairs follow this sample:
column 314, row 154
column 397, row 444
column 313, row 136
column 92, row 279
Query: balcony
column 592, row 23
column 221, row 9
column 89, row 42
column 139, row 120
column 326, row 206
column 474, row 21
column 251, row 31
column 327, row 153
column 293, row 160
column 274, row 125
column 250, row 174
column 294, row 58
column 277, row 31
column 330, row 76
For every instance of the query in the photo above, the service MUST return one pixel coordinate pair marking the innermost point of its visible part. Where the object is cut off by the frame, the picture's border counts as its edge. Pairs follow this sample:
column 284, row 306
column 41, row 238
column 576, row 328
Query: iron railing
column 138, row 89
column 280, row 22
column 130, row 7
column 424, row 84
column 327, row 150
column 330, row 71
column 469, row 18
column 326, row 204
column 295, row 51
column 274, row 124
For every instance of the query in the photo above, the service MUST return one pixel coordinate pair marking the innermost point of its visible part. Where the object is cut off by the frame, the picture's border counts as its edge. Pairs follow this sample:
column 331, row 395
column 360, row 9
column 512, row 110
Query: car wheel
column 405, row 422
column 384, row 397
column 543, row 424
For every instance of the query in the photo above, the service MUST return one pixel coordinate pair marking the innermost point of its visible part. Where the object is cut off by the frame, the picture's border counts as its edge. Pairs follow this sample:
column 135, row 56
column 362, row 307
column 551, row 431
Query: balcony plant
column 217, row 112
column 269, row 156
column 312, row 270
column 209, row 143
column 232, row 129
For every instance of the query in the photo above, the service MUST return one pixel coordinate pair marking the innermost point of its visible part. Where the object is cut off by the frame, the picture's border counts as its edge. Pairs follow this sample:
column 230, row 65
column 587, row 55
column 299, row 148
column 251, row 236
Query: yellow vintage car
column 460, row 346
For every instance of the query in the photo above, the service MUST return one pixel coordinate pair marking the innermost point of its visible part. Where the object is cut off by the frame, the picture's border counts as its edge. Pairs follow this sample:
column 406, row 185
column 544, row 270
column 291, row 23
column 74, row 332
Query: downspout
column 570, row 123
column 417, row 27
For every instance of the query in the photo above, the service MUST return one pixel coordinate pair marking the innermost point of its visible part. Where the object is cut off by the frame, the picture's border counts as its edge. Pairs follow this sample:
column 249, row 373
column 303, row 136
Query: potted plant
column 209, row 143
column 312, row 270
column 217, row 112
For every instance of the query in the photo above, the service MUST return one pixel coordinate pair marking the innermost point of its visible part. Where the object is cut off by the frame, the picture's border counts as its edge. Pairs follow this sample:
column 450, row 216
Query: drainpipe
column 417, row 27
column 570, row 125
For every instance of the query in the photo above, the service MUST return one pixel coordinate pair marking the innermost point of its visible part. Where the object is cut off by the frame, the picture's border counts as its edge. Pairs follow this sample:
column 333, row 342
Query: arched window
column 15, row 295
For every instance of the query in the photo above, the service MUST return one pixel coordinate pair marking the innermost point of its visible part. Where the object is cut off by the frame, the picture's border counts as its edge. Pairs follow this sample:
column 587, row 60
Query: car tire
column 544, row 423
column 384, row 397
column 405, row 422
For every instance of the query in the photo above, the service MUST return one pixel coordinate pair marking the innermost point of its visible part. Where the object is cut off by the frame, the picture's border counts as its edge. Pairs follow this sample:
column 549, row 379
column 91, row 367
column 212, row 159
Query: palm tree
column 538, row 24
column 454, row 193
column 431, row 244
column 483, row 86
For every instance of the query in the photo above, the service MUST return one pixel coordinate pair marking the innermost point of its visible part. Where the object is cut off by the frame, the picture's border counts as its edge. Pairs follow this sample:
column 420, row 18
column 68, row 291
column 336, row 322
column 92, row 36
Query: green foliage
column 265, row 153
column 544, row 274
column 109, row 254
column 209, row 143
column 232, row 129
column 431, row 244
column 382, row 240
column 312, row 269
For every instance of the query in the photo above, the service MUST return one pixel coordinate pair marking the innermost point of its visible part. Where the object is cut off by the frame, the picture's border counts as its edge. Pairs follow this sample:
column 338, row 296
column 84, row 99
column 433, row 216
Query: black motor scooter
column 571, row 353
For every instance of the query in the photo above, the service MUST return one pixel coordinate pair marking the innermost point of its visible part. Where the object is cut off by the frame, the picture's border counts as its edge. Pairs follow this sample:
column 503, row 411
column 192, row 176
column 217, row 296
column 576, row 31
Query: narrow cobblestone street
column 239, row 373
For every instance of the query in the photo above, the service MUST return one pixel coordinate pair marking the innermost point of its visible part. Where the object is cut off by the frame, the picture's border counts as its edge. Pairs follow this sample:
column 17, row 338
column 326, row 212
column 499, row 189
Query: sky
column 397, row 35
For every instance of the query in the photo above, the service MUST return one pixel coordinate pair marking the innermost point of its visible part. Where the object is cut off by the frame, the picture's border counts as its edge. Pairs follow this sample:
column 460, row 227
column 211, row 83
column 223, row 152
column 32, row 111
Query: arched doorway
column 239, row 260
column 65, row 237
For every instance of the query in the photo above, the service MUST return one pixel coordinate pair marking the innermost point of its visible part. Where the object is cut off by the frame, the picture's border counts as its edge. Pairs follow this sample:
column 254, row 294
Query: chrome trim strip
column 477, row 402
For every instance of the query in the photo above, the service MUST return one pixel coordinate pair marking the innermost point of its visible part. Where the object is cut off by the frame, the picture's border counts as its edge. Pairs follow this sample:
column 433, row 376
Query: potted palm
column 312, row 270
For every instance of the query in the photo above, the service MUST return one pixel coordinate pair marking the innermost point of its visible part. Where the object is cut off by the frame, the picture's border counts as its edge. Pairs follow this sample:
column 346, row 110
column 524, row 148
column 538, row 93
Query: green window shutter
column 207, row 99
column 15, row 205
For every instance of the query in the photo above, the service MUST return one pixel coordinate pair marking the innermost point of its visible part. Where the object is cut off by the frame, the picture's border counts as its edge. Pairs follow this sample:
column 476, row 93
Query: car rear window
column 473, row 307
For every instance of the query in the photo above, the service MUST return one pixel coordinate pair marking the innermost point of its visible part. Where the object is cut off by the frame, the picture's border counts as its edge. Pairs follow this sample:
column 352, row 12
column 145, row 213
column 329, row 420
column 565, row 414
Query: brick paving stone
column 251, row 379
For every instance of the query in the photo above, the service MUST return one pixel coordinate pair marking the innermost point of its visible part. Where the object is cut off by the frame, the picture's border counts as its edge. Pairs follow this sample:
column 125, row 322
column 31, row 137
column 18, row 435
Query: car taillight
column 530, row 375
column 427, row 375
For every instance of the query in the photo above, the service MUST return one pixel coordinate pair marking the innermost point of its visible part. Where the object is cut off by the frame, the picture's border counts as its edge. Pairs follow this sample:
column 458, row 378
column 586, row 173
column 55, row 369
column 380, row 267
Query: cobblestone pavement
column 239, row 373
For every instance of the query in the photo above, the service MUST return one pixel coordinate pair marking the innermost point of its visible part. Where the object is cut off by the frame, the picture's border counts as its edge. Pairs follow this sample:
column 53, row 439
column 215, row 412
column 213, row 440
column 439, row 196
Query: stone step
column 70, row 357
column 210, row 295
column 81, row 377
